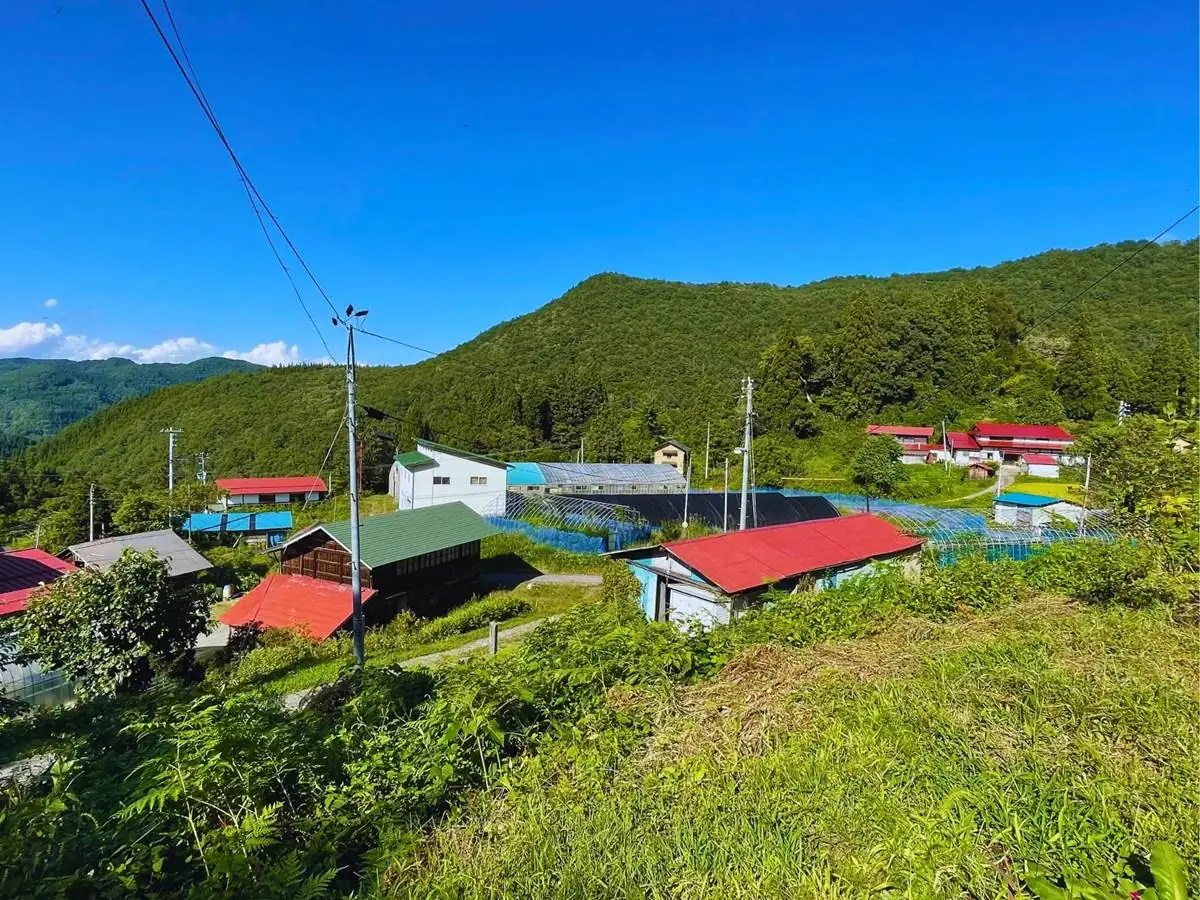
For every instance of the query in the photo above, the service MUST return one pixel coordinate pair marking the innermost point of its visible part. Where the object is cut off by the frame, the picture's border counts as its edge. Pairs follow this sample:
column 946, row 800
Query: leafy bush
column 1093, row 571
column 970, row 583
column 472, row 615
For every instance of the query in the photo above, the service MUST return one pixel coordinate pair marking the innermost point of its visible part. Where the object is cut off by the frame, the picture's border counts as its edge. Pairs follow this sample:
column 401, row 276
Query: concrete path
column 1007, row 476
column 294, row 701
column 523, row 579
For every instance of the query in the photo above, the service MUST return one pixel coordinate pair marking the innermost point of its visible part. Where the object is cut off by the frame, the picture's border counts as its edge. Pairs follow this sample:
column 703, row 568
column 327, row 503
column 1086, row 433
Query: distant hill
column 39, row 397
column 671, row 349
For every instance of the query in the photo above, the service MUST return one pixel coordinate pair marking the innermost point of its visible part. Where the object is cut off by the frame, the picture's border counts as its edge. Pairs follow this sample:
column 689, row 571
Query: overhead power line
column 1119, row 265
column 188, row 72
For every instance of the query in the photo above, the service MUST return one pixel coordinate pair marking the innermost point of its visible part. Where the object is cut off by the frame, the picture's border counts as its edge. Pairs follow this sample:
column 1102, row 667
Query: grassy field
column 1049, row 487
column 326, row 661
column 927, row 761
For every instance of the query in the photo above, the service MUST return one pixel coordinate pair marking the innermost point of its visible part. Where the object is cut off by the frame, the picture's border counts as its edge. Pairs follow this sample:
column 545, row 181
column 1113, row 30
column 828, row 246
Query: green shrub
column 619, row 585
column 1093, row 571
column 970, row 583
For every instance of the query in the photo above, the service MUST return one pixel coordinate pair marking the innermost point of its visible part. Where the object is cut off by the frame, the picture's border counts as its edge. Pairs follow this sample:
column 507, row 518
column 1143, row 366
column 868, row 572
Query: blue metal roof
column 1016, row 498
column 525, row 473
column 238, row 522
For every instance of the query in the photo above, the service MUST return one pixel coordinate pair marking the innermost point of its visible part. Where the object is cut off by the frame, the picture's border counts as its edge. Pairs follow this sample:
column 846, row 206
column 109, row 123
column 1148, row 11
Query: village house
column 22, row 572
column 708, row 580
column 318, row 608
column 907, row 435
column 1002, row 442
column 260, row 491
column 673, row 454
column 435, row 474
column 962, row 448
column 1041, row 465
column 595, row 478
column 978, row 469
column 417, row 559
column 183, row 562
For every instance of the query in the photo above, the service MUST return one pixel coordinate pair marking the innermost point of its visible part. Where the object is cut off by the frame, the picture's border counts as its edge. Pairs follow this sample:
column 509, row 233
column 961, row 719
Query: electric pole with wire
column 355, row 554
column 91, row 512
column 171, row 434
column 202, row 466
column 748, row 387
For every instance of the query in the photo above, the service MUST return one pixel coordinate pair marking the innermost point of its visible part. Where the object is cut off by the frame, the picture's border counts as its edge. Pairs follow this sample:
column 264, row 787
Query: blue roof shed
column 1017, row 498
column 238, row 523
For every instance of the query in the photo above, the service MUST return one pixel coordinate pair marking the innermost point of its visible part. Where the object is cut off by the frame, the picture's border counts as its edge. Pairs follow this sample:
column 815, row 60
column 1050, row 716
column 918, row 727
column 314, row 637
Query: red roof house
column 1039, row 459
column 22, row 572
column 961, row 440
column 287, row 601
column 1005, row 431
column 744, row 560
column 299, row 484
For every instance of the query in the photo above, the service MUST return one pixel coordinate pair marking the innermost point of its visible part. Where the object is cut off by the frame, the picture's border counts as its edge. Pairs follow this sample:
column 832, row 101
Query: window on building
column 441, row 479
column 478, row 479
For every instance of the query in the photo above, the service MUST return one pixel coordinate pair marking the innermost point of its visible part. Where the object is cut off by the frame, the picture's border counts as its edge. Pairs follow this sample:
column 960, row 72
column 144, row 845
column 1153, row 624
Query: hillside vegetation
column 622, row 361
column 39, row 397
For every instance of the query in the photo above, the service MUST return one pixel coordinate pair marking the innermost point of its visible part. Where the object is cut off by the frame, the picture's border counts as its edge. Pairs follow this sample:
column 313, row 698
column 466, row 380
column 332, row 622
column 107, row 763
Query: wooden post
column 493, row 638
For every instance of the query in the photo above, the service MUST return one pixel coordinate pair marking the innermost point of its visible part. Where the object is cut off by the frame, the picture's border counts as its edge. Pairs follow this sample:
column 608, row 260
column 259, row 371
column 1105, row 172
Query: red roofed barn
column 316, row 607
column 254, row 491
column 708, row 579
column 22, row 572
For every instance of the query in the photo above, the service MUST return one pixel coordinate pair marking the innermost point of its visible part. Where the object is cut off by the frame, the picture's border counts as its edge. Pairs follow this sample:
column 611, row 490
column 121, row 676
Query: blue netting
column 954, row 533
column 554, row 537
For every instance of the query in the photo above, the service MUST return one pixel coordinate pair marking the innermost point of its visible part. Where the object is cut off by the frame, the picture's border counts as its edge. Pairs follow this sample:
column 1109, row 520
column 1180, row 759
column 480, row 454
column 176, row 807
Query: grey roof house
column 179, row 554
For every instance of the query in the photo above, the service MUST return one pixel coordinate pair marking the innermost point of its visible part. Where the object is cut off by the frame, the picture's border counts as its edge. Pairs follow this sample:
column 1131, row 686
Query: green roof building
column 417, row 559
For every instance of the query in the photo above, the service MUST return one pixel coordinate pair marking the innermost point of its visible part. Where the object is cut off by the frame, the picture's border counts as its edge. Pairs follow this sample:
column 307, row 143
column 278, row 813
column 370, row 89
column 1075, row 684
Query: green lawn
column 290, row 673
column 1049, row 487
column 929, row 761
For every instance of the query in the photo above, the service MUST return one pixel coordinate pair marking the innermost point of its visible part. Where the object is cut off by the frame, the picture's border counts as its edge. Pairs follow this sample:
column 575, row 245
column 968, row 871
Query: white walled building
column 434, row 474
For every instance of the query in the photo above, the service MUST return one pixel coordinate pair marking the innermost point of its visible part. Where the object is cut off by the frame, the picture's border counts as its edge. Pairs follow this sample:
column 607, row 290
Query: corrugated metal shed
column 166, row 544
column 745, row 560
column 22, row 572
column 412, row 532
column 285, row 601
column 238, row 523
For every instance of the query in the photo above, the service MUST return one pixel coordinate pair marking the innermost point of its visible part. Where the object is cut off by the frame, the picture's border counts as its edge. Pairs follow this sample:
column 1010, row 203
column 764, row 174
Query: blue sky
column 449, row 166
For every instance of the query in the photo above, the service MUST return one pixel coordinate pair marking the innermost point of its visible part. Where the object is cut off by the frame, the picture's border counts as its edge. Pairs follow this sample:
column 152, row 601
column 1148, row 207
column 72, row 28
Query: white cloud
column 184, row 349
column 1169, row 238
column 26, row 334
column 76, row 346
column 276, row 353
column 50, row 303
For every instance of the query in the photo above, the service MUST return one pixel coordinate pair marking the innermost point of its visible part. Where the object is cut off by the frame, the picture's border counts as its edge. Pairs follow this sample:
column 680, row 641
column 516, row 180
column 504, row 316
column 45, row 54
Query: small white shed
column 1041, row 465
column 434, row 474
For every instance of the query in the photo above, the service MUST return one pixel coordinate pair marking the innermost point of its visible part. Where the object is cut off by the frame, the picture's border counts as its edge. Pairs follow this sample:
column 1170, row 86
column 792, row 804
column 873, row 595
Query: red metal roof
column 742, row 560
column 1020, row 446
column 1039, row 459
column 915, row 431
column 1004, row 430
column 299, row 484
column 922, row 448
column 22, row 572
column 284, row 601
column 961, row 440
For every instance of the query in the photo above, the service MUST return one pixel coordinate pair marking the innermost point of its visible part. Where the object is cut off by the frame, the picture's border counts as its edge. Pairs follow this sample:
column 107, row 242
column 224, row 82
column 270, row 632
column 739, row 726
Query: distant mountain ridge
column 673, row 350
column 40, row 397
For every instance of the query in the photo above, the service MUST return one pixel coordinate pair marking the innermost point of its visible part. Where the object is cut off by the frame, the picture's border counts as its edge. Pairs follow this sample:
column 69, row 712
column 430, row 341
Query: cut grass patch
column 931, row 760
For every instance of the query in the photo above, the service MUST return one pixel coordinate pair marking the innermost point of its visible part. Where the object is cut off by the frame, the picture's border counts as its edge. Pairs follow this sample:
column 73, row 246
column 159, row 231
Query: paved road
column 293, row 701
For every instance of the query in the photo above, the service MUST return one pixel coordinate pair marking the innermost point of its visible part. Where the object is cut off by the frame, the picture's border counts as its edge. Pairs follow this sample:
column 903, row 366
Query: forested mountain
column 625, row 360
column 39, row 397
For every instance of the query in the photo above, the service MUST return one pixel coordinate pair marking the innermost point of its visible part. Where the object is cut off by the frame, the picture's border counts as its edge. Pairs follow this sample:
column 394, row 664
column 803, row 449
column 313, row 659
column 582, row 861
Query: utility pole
column 202, row 474
column 91, row 512
column 170, row 433
column 945, row 445
column 687, row 489
column 745, row 448
column 357, row 625
column 725, row 514
column 707, row 444
column 1087, row 483
column 581, row 449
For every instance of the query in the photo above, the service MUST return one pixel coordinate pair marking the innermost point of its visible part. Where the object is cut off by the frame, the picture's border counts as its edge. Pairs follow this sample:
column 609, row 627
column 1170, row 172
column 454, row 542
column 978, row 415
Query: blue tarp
column 238, row 523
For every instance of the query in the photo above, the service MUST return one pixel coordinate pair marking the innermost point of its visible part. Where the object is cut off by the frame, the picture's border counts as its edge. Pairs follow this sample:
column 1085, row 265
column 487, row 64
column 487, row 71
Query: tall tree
column 787, row 381
column 1081, row 381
